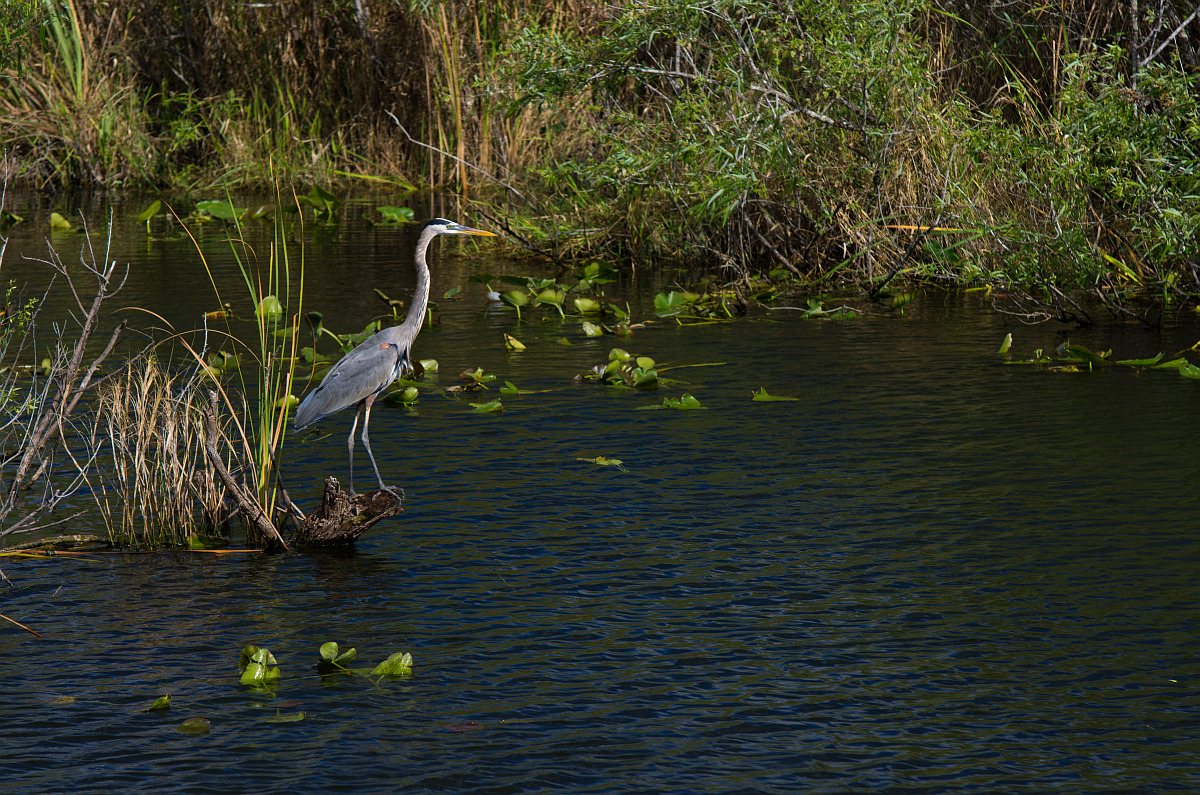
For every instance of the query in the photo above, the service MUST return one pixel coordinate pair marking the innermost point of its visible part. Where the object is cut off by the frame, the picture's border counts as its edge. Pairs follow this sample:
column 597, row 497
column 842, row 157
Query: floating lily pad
column 195, row 726
column 293, row 717
column 219, row 209
column 398, row 664
column 396, row 215
column 762, row 395
column 604, row 462
column 684, row 402
column 259, row 668
column 333, row 658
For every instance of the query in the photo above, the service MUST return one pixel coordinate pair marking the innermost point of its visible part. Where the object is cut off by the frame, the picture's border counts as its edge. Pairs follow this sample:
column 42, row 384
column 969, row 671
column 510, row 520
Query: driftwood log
column 340, row 519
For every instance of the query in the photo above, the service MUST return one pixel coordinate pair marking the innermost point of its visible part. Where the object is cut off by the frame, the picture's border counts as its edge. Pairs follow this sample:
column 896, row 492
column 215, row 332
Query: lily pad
column 605, row 462
column 398, row 664
column 293, row 717
column 396, row 215
column 220, row 209
column 195, row 726
column 762, row 395
column 684, row 402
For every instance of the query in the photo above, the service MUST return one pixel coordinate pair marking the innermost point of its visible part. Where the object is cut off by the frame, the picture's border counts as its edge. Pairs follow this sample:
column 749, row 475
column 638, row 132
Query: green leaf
column 509, row 389
column 294, row 717
column 269, row 307
column 587, row 306
column 58, row 222
column 605, row 462
column 195, row 726
column 617, row 354
column 1189, row 371
column 1151, row 362
column 398, row 664
column 491, row 407
column 221, row 209
column 592, row 330
column 645, row 362
column 512, row 343
column 162, row 702
column 429, row 365
column 396, row 215
column 151, row 211
column 329, row 651
column 453, row 291
column 1006, row 343
column 761, row 394
column 517, row 298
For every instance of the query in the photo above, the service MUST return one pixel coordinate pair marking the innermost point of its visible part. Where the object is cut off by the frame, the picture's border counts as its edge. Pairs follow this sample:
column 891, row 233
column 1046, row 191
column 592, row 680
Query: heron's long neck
column 416, row 313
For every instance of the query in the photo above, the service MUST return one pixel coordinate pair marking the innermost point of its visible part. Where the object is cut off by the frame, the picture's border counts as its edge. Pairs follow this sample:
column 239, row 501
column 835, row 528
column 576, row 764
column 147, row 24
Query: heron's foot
column 392, row 490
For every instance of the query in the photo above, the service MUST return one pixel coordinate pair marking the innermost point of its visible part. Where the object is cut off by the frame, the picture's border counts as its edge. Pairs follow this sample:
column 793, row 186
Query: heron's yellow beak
column 459, row 229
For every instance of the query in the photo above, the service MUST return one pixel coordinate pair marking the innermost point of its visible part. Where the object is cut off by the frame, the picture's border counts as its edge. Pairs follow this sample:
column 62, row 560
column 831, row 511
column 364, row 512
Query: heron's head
column 440, row 226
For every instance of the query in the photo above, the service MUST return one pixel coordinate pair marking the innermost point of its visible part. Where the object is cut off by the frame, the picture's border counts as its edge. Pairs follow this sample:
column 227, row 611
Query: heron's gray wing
column 367, row 369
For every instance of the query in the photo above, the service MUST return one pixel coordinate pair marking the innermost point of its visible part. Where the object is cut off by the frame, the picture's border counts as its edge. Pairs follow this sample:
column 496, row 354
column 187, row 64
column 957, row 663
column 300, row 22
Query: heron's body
column 359, row 377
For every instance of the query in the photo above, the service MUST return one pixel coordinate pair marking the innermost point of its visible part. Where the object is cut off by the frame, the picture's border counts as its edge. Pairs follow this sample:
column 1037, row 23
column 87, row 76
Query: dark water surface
column 933, row 573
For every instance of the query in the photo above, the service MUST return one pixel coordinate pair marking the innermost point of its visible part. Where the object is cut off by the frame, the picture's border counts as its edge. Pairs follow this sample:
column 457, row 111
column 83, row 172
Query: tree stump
column 340, row 519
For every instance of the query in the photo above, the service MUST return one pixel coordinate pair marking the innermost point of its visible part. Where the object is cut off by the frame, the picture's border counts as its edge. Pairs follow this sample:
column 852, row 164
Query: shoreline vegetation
column 1051, row 155
column 1041, row 149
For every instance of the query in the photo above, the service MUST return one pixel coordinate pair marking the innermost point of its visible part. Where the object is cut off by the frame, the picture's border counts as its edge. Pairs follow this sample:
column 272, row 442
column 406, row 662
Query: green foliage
column 718, row 119
column 1105, row 188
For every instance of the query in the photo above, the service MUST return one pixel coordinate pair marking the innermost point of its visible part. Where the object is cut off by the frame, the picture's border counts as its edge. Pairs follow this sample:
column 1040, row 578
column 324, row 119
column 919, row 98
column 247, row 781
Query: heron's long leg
column 350, row 444
column 367, row 444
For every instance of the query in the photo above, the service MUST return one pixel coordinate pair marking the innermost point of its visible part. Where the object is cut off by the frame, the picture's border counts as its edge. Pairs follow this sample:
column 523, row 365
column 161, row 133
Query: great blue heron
column 359, row 377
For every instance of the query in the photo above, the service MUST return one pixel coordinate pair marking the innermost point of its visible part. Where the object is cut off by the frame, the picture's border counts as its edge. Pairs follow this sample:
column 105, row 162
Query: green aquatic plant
column 491, row 407
column 195, row 726
column 684, row 402
column 1075, row 358
column 475, row 380
column 325, row 205
column 333, row 659
column 762, row 395
column 258, row 667
column 160, row 703
column 603, row 461
column 624, row 370
column 395, row 215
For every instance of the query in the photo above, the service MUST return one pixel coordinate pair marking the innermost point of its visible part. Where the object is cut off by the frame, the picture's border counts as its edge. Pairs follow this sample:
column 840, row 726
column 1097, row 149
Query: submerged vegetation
column 1041, row 148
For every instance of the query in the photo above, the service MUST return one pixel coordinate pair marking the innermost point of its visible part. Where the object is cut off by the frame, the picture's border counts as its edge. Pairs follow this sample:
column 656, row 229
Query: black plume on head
column 438, row 222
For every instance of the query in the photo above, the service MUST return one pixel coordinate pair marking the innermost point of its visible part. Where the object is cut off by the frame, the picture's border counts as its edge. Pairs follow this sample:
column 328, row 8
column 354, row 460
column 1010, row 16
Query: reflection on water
column 934, row 572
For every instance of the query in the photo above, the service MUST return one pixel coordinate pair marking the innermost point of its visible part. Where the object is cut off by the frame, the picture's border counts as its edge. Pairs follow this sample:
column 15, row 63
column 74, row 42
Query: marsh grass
column 160, row 488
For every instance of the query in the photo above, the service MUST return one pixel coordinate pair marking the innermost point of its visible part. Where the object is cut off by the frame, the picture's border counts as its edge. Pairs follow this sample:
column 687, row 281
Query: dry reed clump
column 160, row 487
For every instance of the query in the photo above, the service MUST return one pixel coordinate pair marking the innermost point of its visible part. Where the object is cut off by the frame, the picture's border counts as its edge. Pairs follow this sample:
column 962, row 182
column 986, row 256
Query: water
column 935, row 572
